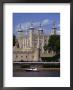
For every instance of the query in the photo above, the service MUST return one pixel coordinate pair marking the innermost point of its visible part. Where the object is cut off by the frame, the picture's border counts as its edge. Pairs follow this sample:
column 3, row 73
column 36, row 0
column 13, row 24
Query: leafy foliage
column 54, row 43
column 14, row 40
column 51, row 59
column 45, row 47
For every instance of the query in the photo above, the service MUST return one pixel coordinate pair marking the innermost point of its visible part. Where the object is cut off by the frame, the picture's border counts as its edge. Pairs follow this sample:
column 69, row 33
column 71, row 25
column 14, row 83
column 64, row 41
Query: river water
column 36, row 74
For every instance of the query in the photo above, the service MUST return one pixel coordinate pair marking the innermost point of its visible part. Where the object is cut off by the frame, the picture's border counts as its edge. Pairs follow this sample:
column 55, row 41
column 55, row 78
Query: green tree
column 45, row 47
column 14, row 40
column 54, row 43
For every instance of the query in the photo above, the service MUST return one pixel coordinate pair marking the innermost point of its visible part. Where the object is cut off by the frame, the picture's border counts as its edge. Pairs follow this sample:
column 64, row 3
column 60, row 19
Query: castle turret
column 54, row 28
column 20, row 37
column 40, row 29
column 31, row 28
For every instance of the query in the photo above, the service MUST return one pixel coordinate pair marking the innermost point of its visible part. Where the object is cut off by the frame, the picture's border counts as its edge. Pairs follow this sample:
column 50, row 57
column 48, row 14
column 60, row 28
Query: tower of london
column 30, row 44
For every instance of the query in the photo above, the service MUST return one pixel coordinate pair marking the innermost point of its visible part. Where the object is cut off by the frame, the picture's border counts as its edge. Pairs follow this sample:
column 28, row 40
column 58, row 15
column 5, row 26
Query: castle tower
column 40, row 29
column 54, row 28
column 26, row 38
column 40, row 32
column 20, row 36
column 31, row 35
column 41, row 37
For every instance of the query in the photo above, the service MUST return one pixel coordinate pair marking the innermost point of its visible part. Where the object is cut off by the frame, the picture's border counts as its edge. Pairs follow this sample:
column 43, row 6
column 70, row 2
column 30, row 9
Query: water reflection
column 37, row 74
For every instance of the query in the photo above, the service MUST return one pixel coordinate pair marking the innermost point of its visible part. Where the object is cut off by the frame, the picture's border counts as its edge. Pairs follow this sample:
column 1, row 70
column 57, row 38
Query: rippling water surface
column 36, row 74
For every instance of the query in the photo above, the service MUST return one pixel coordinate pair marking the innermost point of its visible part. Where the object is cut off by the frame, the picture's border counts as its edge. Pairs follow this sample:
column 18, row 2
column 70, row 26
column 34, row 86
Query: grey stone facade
column 31, row 43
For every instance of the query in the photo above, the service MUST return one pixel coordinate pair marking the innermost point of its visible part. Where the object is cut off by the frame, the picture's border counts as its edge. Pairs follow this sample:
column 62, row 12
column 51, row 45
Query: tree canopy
column 14, row 40
column 54, row 43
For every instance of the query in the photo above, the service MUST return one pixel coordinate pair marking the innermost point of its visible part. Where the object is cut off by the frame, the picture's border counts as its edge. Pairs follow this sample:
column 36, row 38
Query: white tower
column 31, row 35
column 20, row 37
column 54, row 28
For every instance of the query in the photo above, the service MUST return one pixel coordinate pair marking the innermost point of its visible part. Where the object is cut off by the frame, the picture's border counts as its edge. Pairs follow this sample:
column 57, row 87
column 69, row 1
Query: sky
column 45, row 19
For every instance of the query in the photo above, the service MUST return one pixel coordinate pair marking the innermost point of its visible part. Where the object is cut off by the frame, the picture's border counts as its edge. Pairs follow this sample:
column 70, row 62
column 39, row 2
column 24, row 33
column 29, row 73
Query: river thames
column 48, row 73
